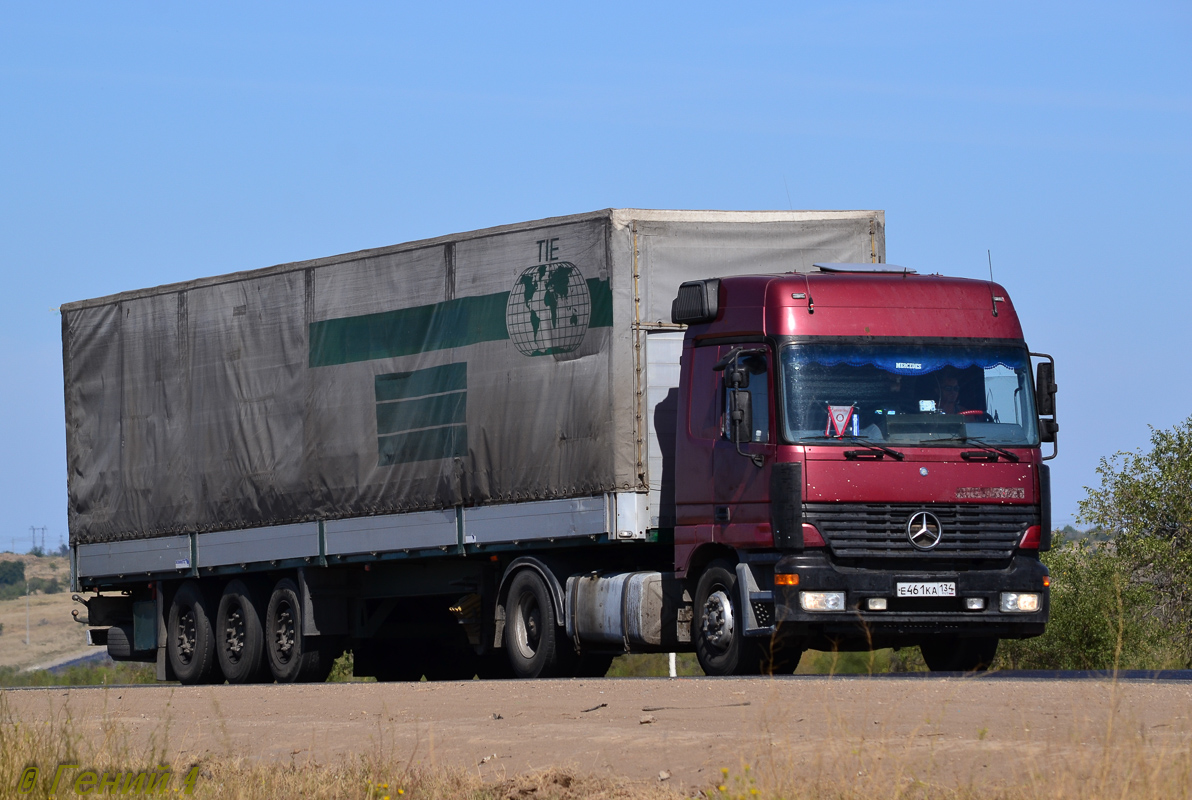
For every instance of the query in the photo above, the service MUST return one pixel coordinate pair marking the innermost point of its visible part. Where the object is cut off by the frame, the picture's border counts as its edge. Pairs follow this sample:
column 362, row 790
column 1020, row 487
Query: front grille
column 971, row 531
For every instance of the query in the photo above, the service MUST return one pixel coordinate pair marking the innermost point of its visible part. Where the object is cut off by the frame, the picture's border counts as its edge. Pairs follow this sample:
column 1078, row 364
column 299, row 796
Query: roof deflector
column 883, row 268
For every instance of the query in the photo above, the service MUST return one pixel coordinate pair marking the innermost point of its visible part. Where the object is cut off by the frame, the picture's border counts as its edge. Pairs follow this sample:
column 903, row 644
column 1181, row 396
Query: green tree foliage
column 1100, row 617
column 12, row 572
column 1145, row 502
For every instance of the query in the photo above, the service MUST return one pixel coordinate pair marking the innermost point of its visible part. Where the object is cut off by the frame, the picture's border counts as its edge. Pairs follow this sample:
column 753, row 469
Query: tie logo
column 923, row 530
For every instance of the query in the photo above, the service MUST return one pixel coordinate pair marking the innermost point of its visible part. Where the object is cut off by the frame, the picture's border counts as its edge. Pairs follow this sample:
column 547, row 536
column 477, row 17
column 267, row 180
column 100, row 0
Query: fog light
column 974, row 603
column 1024, row 602
column 877, row 604
column 822, row 601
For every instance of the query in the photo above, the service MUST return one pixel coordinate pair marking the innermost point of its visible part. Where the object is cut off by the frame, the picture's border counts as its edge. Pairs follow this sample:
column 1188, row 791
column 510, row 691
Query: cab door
column 740, row 487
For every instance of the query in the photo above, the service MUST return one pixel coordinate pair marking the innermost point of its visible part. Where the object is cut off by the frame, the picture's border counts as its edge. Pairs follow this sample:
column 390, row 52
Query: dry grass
column 53, row 633
column 1115, row 759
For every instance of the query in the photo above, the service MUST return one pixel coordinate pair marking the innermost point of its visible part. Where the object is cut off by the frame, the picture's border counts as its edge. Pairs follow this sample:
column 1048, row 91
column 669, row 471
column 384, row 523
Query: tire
column 291, row 656
column 190, row 640
column 240, row 636
column 783, row 654
column 717, row 628
column 534, row 644
column 948, row 654
column 120, row 643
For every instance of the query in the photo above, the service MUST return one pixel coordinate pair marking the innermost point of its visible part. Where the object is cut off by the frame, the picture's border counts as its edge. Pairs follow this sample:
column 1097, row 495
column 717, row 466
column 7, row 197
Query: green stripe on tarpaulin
column 422, row 415
column 422, row 329
column 429, row 445
column 419, row 383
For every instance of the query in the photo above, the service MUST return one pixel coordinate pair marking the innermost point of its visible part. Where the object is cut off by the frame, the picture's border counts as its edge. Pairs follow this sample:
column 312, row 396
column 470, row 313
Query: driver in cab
column 950, row 395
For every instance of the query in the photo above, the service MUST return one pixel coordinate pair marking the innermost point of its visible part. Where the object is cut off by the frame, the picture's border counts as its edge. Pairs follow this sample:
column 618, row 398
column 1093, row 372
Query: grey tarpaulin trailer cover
column 501, row 366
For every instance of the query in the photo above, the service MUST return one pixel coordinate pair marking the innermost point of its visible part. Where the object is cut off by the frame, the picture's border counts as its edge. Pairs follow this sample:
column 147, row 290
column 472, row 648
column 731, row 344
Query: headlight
column 822, row 601
column 1024, row 602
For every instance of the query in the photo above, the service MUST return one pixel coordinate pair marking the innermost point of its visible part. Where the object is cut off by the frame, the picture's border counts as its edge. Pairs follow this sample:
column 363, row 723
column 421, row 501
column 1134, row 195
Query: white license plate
column 947, row 589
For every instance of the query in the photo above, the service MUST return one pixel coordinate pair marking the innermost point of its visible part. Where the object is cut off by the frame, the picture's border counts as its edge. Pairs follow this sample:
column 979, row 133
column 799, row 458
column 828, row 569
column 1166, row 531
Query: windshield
column 908, row 394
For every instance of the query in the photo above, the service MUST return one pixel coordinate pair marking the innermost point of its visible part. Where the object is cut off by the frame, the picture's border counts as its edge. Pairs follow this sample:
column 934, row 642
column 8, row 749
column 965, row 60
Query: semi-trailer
column 523, row 450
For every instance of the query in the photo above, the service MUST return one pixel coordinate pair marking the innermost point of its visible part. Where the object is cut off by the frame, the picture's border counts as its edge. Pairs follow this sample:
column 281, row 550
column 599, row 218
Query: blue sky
column 145, row 143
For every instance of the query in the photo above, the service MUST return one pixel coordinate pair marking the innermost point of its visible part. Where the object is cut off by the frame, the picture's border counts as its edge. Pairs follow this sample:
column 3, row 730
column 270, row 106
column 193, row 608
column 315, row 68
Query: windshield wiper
column 878, row 449
column 986, row 446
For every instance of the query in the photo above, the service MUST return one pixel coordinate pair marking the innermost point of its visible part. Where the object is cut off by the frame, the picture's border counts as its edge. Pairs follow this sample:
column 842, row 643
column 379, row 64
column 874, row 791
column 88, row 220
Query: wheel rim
column 234, row 634
column 716, row 620
column 284, row 634
column 187, row 635
column 527, row 626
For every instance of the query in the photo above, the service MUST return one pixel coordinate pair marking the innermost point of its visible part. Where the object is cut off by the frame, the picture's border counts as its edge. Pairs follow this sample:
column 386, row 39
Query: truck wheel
column 784, row 652
column 190, row 642
column 291, row 658
column 949, row 654
column 720, row 645
column 532, row 639
column 240, row 637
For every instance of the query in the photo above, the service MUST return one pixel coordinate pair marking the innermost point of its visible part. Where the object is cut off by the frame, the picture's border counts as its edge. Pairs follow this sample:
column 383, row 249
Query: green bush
column 1100, row 617
column 82, row 675
column 45, row 585
column 653, row 665
column 12, row 572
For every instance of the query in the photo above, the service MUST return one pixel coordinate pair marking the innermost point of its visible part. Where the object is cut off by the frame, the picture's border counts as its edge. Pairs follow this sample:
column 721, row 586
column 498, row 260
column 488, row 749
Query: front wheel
column 949, row 654
column 718, row 628
column 535, row 645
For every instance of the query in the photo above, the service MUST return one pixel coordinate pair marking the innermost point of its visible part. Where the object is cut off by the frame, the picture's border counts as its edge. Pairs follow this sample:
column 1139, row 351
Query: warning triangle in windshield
column 838, row 418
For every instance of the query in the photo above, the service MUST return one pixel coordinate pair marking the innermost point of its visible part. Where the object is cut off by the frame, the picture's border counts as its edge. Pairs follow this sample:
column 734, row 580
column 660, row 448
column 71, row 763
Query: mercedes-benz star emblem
column 923, row 530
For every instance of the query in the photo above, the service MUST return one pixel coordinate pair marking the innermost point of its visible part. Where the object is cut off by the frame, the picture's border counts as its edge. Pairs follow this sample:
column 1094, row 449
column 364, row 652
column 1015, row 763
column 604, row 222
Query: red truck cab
column 859, row 466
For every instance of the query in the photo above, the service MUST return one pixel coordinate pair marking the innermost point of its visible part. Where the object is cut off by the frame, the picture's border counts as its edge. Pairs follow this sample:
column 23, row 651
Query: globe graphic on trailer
column 549, row 308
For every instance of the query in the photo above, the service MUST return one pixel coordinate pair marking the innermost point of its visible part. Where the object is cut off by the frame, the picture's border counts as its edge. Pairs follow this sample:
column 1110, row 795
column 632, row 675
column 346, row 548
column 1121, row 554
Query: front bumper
column 907, row 620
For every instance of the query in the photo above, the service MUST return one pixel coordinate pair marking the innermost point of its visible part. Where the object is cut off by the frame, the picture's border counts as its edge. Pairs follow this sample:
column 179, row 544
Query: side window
column 754, row 367
column 704, row 411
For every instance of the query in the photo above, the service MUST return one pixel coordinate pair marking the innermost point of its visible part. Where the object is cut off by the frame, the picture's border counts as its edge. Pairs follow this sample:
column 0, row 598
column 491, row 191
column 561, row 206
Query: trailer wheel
column 532, row 639
column 720, row 644
column 949, row 654
column 190, row 642
column 291, row 659
column 240, row 637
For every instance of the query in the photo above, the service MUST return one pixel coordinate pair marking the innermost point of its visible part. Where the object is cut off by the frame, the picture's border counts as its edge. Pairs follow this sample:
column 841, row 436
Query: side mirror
column 740, row 416
column 740, row 423
column 1045, row 389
